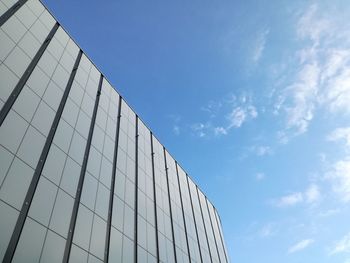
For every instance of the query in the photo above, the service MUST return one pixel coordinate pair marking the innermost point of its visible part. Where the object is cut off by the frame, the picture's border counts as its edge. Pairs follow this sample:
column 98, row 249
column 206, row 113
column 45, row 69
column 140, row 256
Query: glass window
column 62, row 213
column 62, row 36
column 17, row 61
column 26, row 16
column 29, row 44
column 70, row 176
column 128, row 250
column 118, row 213
column 98, row 138
column 93, row 165
column 54, row 164
column 5, row 160
column 55, row 48
column 106, row 172
column 43, row 201
column 16, row 183
column 76, row 93
column 83, row 227
column 8, row 82
column 83, row 124
column 39, row 31
column 67, row 61
column 30, row 243
column 47, row 19
column 129, row 222
column 61, row 76
column 63, row 135
column 77, row 255
column 7, row 224
column 77, row 148
column 6, row 45
column 31, row 147
column 14, row 29
column 53, row 248
column 98, row 237
column 115, row 253
column 47, row 63
column 26, row 103
column 108, row 149
column 88, row 196
column 53, row 95
column 70, row 112
column 38, row 81
column 102, row 201
column 43, row 118
column 36, row 7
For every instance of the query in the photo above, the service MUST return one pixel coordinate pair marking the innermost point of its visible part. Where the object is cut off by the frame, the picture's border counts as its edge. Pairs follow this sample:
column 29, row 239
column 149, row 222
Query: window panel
column 7, row 224
column 8, row 82
column 77, row 255
column 38, row 81
column 54, row 164
column 6, row 45
column 29, row 44
column 14, row 29
column 26, row 16
column 43, row 118
column 97, row 244
column 30, row 242
column 62, row 213
column 16, row 183
column 26, row 103
column 83, row 226
column 53, row 248
column 17, row 61
column 43, row 201
column 70, row 176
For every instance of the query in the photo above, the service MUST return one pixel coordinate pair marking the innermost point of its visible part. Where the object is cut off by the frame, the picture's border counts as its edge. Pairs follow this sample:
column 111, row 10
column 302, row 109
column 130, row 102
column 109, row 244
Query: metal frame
column 23, row 80
column 111, row 194
column 73, row 220
column 194, row 218
column 154, row 197
column 212, row 229
column 136, row 186
column 10, row 251
column 170, row 210
column 205, row 228
column 183, row 212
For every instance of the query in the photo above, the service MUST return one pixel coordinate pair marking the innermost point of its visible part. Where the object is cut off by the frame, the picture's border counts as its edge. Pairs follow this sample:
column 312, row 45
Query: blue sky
column 253, row 100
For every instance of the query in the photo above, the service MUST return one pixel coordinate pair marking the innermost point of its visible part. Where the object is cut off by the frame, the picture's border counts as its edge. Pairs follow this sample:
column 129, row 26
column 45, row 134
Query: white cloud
column 310, row 196
column 342, row 245
column 340, row 134
column 236, row 112
column 289, row 200
column 321, row 79
column 260, row 45
column 339, row 175
column 303, row 244
column 262, row 150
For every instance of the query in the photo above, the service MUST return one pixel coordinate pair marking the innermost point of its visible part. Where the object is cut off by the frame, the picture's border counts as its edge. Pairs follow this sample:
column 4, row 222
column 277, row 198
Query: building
column 82, row 179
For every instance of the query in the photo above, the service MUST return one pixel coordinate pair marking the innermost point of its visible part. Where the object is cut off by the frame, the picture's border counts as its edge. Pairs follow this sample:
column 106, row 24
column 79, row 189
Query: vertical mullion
column 111, row 194
column 10, row 12
column 170, row 210
column 81, row 177
column 218, row 221
column 39, row 167
column 205, row 228
column 154, row 197
column 136, row 187
column 23, row 80
column 194, row 218
column 212, row 228
column 183, row 212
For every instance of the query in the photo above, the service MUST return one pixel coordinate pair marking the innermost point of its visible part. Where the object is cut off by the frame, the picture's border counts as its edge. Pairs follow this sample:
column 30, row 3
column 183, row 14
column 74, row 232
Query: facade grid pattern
column 82, row 178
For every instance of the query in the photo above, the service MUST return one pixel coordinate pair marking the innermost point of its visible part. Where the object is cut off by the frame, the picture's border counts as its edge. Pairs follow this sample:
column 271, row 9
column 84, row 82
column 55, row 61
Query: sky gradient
column 253, row 100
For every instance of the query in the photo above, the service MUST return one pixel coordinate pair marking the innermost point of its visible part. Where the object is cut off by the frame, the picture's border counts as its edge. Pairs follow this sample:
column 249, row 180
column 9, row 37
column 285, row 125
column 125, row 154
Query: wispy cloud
column 340, row 134
column 310, row 196
column 236, row 112
column 339, row 176
column 322, row 73
column 342, row 245
column 260, row 45
column 268, row 230
column 301, row 245
column 261, row 150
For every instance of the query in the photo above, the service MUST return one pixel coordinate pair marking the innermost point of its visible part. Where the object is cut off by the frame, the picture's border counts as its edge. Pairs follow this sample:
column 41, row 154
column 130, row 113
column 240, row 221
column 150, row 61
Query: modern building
column 82, row 179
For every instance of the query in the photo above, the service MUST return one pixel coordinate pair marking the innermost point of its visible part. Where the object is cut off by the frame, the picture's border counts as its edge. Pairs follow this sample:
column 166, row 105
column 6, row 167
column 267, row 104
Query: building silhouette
column 82, row 179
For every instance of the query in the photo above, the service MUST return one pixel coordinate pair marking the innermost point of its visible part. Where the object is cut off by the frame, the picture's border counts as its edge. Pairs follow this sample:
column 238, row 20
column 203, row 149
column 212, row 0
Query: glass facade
column 82, row 178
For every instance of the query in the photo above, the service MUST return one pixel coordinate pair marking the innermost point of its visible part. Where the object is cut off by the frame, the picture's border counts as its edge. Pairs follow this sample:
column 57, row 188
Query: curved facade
column 82, row 179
